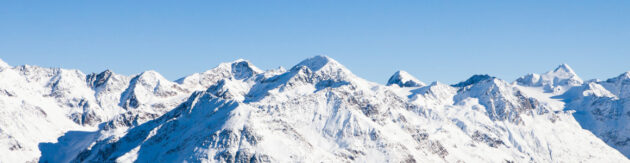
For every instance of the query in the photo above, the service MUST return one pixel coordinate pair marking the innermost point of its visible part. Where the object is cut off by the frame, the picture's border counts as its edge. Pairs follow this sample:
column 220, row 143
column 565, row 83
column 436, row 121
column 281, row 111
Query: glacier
column 316, row 111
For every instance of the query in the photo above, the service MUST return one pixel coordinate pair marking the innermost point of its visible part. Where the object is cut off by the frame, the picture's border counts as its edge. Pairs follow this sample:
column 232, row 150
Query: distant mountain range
column 316, row 111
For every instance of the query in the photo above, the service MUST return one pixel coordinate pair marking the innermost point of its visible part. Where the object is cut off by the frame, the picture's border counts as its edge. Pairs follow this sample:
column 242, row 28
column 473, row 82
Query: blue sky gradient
column 447, row 41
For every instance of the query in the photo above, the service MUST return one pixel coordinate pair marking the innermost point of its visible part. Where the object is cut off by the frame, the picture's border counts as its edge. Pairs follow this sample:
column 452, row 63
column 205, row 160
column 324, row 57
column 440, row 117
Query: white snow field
column 316, row 111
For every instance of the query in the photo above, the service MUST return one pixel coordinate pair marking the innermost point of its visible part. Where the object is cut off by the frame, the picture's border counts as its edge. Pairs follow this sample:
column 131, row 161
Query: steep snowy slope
column 40, row 104
column 603, row 108
column 36, row 105
column 599, row 106
column 4, row 64
column 151, row 95
column 320, row 111
column 28, row 115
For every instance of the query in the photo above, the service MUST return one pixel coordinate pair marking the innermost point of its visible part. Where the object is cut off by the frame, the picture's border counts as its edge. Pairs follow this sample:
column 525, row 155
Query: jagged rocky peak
column 241, row 68
column 501, row 100
column 473, row 80
column 404, row 79
column 315, row 111
column 96, row 80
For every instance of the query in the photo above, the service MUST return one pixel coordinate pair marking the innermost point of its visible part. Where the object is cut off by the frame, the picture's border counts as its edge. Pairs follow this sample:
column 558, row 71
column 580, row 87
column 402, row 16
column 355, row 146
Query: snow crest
column 4, row 64
column 317, row 111
column 556, row 81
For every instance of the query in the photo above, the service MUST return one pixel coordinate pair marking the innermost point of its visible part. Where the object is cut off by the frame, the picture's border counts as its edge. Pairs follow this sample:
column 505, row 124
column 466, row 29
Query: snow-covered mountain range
column 316, row 111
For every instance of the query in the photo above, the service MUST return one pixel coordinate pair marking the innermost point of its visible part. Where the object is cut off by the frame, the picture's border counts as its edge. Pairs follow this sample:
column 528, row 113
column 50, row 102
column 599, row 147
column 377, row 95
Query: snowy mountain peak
column 151, row 75
column 320, row 68
column 96, row 80
column 239, row 69
column 553, row 81
column 564, row 68
column 318, row 62
column 594, row 89
column 4, row 64
column 622, row 77
column 404, row 79
column 564, row 71
column 317, row 110
column 244, row 69
column 618, row 85
column 149, row 86
column 473, row 80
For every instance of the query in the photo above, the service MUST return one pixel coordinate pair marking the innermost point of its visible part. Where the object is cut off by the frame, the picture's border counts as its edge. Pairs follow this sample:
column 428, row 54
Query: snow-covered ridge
column 4, row 64
column 602, row 107
column 318, row 110
column 238, row 69
column 555, row 81
column 404, row 79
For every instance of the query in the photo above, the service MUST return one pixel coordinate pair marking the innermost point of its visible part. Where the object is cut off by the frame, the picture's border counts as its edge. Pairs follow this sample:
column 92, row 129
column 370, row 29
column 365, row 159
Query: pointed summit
column 564, row 71
column 404, row 79
column 552, row 81
column 562, row 76
column 322, row 68
column 95, row 80
column 146, row 87
column 564, row 68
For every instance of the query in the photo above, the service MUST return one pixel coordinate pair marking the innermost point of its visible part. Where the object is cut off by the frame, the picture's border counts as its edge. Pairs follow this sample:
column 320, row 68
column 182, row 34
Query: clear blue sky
column 447, row 41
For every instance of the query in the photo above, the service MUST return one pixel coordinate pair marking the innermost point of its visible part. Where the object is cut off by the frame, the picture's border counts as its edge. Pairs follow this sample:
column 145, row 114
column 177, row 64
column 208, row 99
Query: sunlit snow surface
column 316, row 111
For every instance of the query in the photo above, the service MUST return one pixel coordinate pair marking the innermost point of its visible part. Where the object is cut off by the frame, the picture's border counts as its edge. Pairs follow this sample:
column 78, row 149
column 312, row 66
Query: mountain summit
column 404, row 79
column 555, row 81
column 564, row 69
column 237, row 69
column 317, row 111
